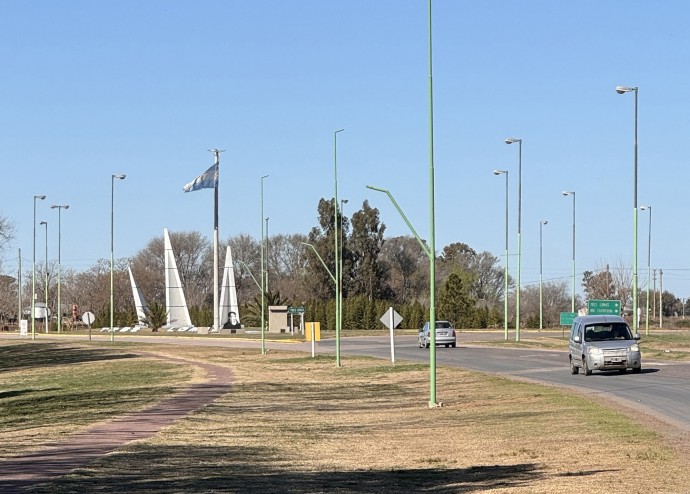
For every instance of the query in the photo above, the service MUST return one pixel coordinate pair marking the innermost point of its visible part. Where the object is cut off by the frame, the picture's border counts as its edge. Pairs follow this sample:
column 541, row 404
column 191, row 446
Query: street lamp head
column 40, row 197
column 568, row 192
column 544, row 222
column 120, row 176
column 500, row 172
column 63, row 206
column 625, row 89
column 645, row 207
column 339, row 130
column 512, row 140
column 43, row 223
column 344, row 201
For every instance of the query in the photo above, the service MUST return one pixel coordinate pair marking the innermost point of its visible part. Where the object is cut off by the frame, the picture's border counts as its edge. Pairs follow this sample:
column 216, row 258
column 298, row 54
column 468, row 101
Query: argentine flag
column 207, row 180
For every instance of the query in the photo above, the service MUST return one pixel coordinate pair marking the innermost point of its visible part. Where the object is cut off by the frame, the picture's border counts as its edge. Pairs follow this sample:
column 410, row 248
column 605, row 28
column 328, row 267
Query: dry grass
column 296, row 424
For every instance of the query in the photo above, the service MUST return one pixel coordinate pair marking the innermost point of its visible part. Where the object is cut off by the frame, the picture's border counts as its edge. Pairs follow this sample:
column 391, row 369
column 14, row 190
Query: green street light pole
column 541, row 271
column 505, row 275
column 45, row 319
column 338, row 320
column 513, row 140
column 342, row 247
column 112, row 249
column 432, row 232
column 430, row 254
column 431, row 249
column 649, row 266
column 572, row 302
column 263, row 273
column 33, row 282
column 59, row 300
column 623, row 90
column 330, row 273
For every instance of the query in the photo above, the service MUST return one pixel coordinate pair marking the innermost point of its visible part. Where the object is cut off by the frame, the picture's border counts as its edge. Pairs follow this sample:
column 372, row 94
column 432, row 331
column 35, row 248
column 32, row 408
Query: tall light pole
column 342, row 248
column 33, row 282
column 505, row 275
column 45, row 319
column 513, row 140
column 649, row 266
column 623, row 90
column 338, row 320
column 112, row 250
column 541, row 271
column 263, row 273
column 59, row 207
column 267, row 263
column 572, row 302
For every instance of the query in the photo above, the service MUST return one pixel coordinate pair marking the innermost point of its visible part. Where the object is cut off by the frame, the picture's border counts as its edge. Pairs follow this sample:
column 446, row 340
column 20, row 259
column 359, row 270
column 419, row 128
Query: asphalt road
column 662, row 389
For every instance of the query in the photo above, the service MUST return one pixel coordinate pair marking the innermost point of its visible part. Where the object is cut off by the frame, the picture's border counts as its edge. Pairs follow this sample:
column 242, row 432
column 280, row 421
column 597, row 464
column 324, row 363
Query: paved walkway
column 83, row 448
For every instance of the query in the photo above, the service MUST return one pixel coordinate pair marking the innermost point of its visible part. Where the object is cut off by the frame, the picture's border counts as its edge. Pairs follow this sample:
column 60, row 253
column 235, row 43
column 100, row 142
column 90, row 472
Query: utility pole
column 608, row 283
column 654, row 297
column 661, row 300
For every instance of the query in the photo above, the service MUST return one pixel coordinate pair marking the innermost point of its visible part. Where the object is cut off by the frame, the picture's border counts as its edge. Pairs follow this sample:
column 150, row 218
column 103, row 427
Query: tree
column 369, row 273
column 455, row 303
column 408, row 267
column 194, row 258
column 556, row 298
column 155, row 316
column 321, row 285
column 6, row 235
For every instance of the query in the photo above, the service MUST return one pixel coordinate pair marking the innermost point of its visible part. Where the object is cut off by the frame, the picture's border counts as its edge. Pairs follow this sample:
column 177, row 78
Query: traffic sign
column 567, row 318
column 604, row 307
column 296, row 310
column 386, row 318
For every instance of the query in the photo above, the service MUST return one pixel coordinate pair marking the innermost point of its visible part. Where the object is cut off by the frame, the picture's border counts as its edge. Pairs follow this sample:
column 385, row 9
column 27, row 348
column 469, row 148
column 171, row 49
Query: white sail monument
column 175, row 301
column 228, row 291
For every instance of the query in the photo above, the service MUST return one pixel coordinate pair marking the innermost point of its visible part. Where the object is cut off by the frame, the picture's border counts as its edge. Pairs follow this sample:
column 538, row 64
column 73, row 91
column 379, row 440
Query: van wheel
column 637, row 370
column 585, row 368
column 573, row 368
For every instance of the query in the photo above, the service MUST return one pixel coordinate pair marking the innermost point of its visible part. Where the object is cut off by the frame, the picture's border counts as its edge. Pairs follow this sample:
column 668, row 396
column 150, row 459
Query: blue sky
column 146, row 88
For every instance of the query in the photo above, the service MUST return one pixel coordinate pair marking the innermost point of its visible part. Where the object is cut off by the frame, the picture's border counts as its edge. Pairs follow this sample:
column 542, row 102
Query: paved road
column 663, row 388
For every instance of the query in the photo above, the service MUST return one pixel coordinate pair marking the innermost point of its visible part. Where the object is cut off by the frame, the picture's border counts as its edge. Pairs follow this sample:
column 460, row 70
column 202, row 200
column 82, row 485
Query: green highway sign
column 567, row 318
column 296, row 310
column 604, row 307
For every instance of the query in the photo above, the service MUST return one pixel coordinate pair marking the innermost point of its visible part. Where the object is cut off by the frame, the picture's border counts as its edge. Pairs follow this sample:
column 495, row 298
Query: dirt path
column 83, row 448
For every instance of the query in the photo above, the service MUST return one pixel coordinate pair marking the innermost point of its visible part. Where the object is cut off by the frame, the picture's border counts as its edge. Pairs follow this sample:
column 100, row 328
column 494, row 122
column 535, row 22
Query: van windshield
column 607, row 332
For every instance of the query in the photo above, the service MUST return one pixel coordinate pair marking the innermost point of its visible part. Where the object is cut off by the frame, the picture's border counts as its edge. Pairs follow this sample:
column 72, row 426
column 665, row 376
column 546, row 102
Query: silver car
column 603, row 343
column 445, row 335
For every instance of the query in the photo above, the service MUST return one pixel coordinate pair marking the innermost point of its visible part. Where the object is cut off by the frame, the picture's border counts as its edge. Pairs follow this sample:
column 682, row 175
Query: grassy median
column 296, row 424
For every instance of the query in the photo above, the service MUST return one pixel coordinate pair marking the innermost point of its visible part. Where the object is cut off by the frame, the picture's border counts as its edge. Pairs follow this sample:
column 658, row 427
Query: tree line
column 378, row 273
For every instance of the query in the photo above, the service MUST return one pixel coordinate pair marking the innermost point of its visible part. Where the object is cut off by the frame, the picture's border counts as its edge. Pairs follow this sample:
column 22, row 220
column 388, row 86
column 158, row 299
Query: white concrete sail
column 139, row 303
column 175, row 302
column 228, row 291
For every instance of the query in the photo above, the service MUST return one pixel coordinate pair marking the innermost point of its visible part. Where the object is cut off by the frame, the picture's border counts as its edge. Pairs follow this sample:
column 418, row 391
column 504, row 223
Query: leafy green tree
column 252, row 311
column 369, row 273
column 455, row 303
column 155, row 316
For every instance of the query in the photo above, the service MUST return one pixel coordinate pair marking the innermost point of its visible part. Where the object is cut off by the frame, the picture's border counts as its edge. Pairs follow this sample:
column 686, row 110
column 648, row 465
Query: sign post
column 391, row 319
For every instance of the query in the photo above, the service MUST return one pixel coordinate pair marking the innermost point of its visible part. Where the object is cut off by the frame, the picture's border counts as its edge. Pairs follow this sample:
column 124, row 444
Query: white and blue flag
column 207, row 180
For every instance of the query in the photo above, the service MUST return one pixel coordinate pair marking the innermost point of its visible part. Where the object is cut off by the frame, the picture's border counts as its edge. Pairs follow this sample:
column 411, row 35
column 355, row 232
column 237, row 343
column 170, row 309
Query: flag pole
column 216, row 314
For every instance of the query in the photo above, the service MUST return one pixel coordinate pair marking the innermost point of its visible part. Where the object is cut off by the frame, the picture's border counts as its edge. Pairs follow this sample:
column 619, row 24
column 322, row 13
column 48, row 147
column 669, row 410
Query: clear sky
column 89, row 89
